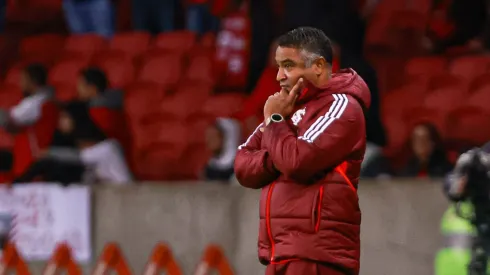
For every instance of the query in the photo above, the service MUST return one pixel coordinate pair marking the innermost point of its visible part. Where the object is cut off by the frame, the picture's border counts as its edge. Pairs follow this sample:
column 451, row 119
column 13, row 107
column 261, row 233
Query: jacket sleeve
column 325, row 144
column 253, row 165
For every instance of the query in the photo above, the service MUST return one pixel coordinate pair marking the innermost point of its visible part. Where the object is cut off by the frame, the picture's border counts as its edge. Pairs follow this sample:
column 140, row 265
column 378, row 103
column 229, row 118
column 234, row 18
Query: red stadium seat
column 201, row 69
column 131, row 43
column 158, row 149
column 377, row 30
column 140, row 100
column 198, row 91
column 442, row 81
column 422, row 6
column 176, row 41
column 469, row 125
column 6, row 140
column 426, row 66
column 394, row 103
column 479, row 82
column 223, row 105
column 83, row 46
column 208, row 40
column 171, row 134
column 66, row 72
column 41, row 48
column 192, row 164
column 397, row 132
column 65, row 92
column 470, row 67
column 163, row 70
column 445, row 99
column 198, row 128
column 120, row 71
column 13, row 75
column 407, row 30
column 184, row 104
column 479, row 98
column 408, row 20
column 9, row 96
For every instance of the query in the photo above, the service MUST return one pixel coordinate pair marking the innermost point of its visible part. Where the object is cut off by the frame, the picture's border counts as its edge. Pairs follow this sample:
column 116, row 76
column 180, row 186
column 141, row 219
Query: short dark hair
column 95, row 76
column 37, row 73
column 310, row 39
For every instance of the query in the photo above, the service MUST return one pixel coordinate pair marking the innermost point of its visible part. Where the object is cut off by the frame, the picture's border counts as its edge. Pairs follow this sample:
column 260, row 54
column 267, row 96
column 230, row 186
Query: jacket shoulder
column 339, row 106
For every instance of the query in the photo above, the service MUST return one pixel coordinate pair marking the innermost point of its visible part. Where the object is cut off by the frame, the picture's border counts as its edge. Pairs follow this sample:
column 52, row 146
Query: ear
column 320, row 66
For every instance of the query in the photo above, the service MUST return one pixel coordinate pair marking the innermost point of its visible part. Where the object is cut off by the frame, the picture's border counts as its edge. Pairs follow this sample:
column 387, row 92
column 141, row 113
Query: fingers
column 293, row 94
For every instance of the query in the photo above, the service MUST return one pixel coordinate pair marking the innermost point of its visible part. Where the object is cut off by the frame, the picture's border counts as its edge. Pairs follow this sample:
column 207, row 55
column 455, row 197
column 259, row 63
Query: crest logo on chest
column 298, row 116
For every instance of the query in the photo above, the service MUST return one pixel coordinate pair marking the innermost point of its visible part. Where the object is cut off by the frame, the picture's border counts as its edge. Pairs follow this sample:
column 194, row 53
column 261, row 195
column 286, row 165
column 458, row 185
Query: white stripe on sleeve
column 321, row 124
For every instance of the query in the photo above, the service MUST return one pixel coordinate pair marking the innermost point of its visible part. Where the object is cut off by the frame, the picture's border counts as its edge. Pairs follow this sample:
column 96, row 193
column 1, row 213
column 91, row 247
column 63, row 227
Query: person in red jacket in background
column 33, row 120
column 307, row 157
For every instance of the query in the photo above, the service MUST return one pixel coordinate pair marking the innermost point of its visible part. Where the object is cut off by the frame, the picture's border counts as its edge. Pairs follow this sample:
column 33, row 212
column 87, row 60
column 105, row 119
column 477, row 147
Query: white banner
column 45, row 215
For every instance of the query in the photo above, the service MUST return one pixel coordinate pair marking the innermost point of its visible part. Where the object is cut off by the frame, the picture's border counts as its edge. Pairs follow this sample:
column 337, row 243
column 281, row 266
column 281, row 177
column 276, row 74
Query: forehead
column 420, row 131
column 284, row 53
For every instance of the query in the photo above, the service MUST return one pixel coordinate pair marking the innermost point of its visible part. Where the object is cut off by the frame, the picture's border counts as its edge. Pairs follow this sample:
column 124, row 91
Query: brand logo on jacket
column 298, row 116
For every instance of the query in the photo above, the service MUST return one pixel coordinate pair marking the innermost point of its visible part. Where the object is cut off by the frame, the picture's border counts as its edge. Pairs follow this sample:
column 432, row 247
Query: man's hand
column 283, row 102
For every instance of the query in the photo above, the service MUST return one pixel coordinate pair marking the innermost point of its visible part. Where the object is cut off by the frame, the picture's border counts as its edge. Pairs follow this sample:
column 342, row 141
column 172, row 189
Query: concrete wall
column 400, row 224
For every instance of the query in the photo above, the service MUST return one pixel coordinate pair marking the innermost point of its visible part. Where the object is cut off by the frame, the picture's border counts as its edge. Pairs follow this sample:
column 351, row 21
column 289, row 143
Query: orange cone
column 12, row 261
column 162, row 260
column 214, row 259
column 62, row 260
column 111, row 259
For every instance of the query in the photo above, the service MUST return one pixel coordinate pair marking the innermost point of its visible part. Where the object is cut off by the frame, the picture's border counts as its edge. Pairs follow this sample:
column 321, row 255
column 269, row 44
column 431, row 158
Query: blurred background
column 155, row 96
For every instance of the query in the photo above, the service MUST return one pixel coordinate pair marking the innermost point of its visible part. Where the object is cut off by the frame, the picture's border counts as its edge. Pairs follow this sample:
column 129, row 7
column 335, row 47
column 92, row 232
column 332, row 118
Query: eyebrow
column 285, row 61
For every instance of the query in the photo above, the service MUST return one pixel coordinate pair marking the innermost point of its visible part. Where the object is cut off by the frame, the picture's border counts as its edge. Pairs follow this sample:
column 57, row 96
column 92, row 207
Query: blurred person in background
column 264, row 23
column 428, row 158
column 33, row 120
column 340, row 20
column 105, row 104
column 90, row 16
column 455, row 23
column 154, row 16
column 93, row 158
column 222, row 140
column 307, row 155
column 199, row 18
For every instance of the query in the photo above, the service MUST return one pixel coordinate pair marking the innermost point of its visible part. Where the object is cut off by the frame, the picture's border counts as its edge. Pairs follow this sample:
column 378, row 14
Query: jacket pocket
column 317, row 209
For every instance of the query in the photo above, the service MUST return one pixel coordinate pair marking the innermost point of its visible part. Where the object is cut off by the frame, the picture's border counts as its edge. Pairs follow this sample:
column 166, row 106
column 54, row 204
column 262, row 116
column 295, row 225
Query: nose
column 280, row 75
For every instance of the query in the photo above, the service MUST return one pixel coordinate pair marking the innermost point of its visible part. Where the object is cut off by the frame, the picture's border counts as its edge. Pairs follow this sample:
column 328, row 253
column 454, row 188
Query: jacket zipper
column 268, row 220
column 319, row 210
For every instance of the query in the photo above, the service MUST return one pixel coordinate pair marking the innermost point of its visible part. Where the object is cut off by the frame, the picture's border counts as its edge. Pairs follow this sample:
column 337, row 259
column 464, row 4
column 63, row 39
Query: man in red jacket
column 306, row 157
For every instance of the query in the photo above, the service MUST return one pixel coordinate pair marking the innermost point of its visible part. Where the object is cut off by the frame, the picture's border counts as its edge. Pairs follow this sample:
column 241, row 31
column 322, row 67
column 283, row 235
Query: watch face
column 276, row 117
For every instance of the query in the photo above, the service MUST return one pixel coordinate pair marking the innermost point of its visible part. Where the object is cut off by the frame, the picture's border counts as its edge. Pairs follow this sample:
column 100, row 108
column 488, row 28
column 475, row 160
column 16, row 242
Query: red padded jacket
column 308, row 168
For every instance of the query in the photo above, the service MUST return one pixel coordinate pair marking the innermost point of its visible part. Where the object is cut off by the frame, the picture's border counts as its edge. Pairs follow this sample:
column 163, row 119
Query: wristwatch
column 274, row 118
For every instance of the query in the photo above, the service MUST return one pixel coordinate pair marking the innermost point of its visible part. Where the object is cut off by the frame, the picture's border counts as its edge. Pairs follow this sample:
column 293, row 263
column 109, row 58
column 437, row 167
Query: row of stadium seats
column 169, row 83
column 48, row 47
column 451, row 94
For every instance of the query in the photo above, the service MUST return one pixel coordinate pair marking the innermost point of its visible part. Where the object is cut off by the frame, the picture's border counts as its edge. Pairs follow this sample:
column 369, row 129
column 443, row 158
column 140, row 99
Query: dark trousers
column 53, row 170
column 154, row 16
column 6, row 160
column 303, row 268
